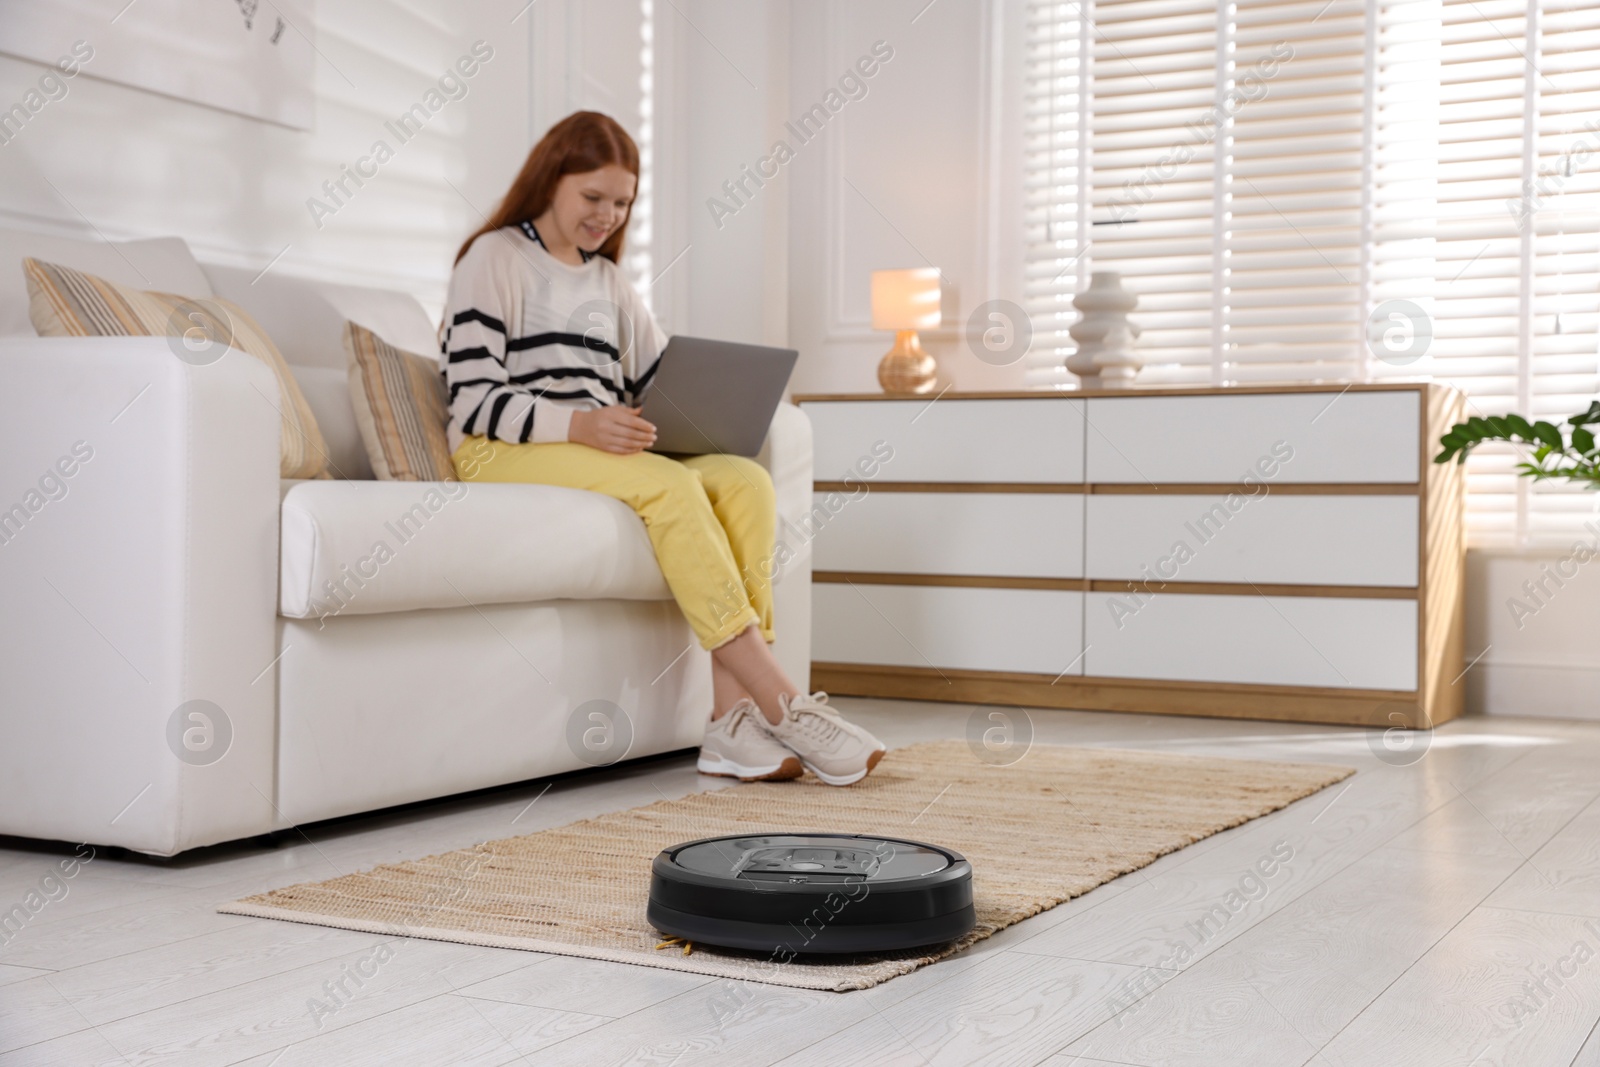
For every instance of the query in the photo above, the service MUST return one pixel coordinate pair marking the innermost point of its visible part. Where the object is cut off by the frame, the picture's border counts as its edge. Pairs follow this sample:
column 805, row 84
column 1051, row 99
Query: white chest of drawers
column 1266, row 552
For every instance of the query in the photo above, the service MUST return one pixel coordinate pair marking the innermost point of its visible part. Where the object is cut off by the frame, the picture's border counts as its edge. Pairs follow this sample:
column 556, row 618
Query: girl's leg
column 725, row 689
column 742, row 498
column 748, row 659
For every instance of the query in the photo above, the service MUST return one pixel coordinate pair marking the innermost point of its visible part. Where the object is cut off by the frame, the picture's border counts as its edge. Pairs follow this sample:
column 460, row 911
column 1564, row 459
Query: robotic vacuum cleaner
column 811, row 893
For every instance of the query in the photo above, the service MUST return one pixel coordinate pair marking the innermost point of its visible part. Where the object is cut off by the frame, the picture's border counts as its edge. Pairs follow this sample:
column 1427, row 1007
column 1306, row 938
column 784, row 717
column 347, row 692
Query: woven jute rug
column 1038, row 832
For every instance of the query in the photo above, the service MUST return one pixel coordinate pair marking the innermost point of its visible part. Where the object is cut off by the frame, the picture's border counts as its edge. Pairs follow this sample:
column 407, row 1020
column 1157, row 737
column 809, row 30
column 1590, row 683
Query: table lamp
column 906, row 301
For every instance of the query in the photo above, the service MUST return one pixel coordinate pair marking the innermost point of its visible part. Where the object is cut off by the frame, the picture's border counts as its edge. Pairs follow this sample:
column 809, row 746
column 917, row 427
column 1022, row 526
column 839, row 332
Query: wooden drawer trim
column 1081, row 394
column 972, row 581
column 1121, row 585
column 1272, row 489
column 878, row 486
column 1129, row 488
column 1345, row 707
column 1356, row 592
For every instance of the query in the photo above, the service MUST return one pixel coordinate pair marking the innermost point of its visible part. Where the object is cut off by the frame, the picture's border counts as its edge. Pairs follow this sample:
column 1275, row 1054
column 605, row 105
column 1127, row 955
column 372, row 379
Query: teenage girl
column 547, row 354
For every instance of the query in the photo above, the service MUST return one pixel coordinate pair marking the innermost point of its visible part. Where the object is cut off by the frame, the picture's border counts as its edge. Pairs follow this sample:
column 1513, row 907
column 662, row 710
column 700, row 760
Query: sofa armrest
column 787, row 456
column 138, row 558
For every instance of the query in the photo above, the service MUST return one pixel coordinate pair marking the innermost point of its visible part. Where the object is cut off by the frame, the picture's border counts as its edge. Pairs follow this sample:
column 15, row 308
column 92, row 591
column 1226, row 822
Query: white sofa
column 173, row 565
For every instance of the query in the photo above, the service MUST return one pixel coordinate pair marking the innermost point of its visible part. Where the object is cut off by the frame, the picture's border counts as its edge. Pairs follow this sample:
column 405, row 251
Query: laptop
column 715, row 396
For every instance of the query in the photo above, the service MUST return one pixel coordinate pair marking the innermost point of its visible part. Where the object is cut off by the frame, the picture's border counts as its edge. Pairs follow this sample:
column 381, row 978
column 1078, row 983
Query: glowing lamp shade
column 906, row 301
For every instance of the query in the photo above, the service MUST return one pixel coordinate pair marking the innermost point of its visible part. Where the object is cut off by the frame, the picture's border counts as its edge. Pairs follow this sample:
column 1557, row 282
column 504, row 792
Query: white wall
column 1546, row 662
column 898, row 178
column 902, row 178
column 122, row 162
column 734, row 91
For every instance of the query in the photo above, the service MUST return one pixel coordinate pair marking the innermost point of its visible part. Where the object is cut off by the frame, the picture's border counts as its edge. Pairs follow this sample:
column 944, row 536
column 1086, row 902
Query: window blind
column 1294, row 260
column 1562, row 224
column 1151, row 186
column 1267, row 174
column 1054, row 210
column 1506, row 226
column 638, row 261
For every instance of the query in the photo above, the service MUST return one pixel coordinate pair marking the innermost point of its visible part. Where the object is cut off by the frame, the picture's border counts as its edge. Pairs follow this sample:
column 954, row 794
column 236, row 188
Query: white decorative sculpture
column 1105, row 358
column 1118, row 362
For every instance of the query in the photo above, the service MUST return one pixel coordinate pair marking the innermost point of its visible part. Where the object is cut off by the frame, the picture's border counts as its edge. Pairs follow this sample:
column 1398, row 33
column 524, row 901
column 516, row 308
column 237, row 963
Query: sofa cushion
column 370, row 547
column 306, row 317
column 162, row 263
column 327, row 391
column 400, row 406
column 63, row 302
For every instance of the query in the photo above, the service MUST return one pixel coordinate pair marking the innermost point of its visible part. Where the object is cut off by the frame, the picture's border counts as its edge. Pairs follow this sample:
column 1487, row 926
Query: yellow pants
column 711, row 519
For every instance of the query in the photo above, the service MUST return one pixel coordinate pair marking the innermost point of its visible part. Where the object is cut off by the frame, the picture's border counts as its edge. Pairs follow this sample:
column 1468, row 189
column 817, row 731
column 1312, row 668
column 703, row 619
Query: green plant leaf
column 1520, row 426
column 1552, row 456
column 1549, row 436
column 1456, row 443
column 1588, row 418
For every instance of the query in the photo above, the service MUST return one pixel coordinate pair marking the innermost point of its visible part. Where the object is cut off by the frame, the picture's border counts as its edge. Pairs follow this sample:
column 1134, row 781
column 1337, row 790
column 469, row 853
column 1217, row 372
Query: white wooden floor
column 1443, row 913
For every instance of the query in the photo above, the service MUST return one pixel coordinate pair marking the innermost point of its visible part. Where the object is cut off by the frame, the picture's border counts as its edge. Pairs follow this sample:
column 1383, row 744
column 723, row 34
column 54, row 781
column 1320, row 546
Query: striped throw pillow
column 400, row 406
column 63, row 302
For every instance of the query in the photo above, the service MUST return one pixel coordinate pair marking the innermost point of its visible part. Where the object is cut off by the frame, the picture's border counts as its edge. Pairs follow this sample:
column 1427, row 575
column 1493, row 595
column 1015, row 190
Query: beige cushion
column 63, row 302
column 305, row 318
column 399, row 402
column 162, row 264
column 328, row 393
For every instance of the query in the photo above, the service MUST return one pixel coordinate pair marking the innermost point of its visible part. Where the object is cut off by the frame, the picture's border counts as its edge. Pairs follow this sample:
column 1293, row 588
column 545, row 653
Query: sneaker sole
column 849, row 779
column 718, row 767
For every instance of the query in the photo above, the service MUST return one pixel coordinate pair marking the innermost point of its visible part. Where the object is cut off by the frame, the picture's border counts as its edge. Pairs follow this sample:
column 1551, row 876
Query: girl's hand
column 613, row 428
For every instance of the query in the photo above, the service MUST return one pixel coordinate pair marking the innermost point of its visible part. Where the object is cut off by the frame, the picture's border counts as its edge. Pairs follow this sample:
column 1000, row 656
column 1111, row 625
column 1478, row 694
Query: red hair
column 582, row 142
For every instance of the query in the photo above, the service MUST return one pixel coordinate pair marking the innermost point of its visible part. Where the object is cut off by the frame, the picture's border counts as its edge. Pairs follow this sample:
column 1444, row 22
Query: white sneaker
column 838, row 752
column 739, row 745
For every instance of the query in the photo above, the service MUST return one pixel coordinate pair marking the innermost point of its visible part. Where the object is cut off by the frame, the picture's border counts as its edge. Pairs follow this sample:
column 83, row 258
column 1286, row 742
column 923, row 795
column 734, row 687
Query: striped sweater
column 529, row 339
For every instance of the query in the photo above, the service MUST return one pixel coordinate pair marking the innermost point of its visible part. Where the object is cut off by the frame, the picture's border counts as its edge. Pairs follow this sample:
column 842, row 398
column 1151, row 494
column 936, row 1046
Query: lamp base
column 907, row 368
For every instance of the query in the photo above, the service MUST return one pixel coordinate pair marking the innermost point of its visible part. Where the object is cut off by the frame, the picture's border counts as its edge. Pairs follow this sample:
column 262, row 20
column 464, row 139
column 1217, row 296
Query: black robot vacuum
column 811, row 893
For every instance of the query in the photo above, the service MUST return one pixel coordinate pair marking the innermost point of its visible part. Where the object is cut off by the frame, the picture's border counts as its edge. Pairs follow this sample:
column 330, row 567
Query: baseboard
column 1545, row 691
column 1280, row 703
